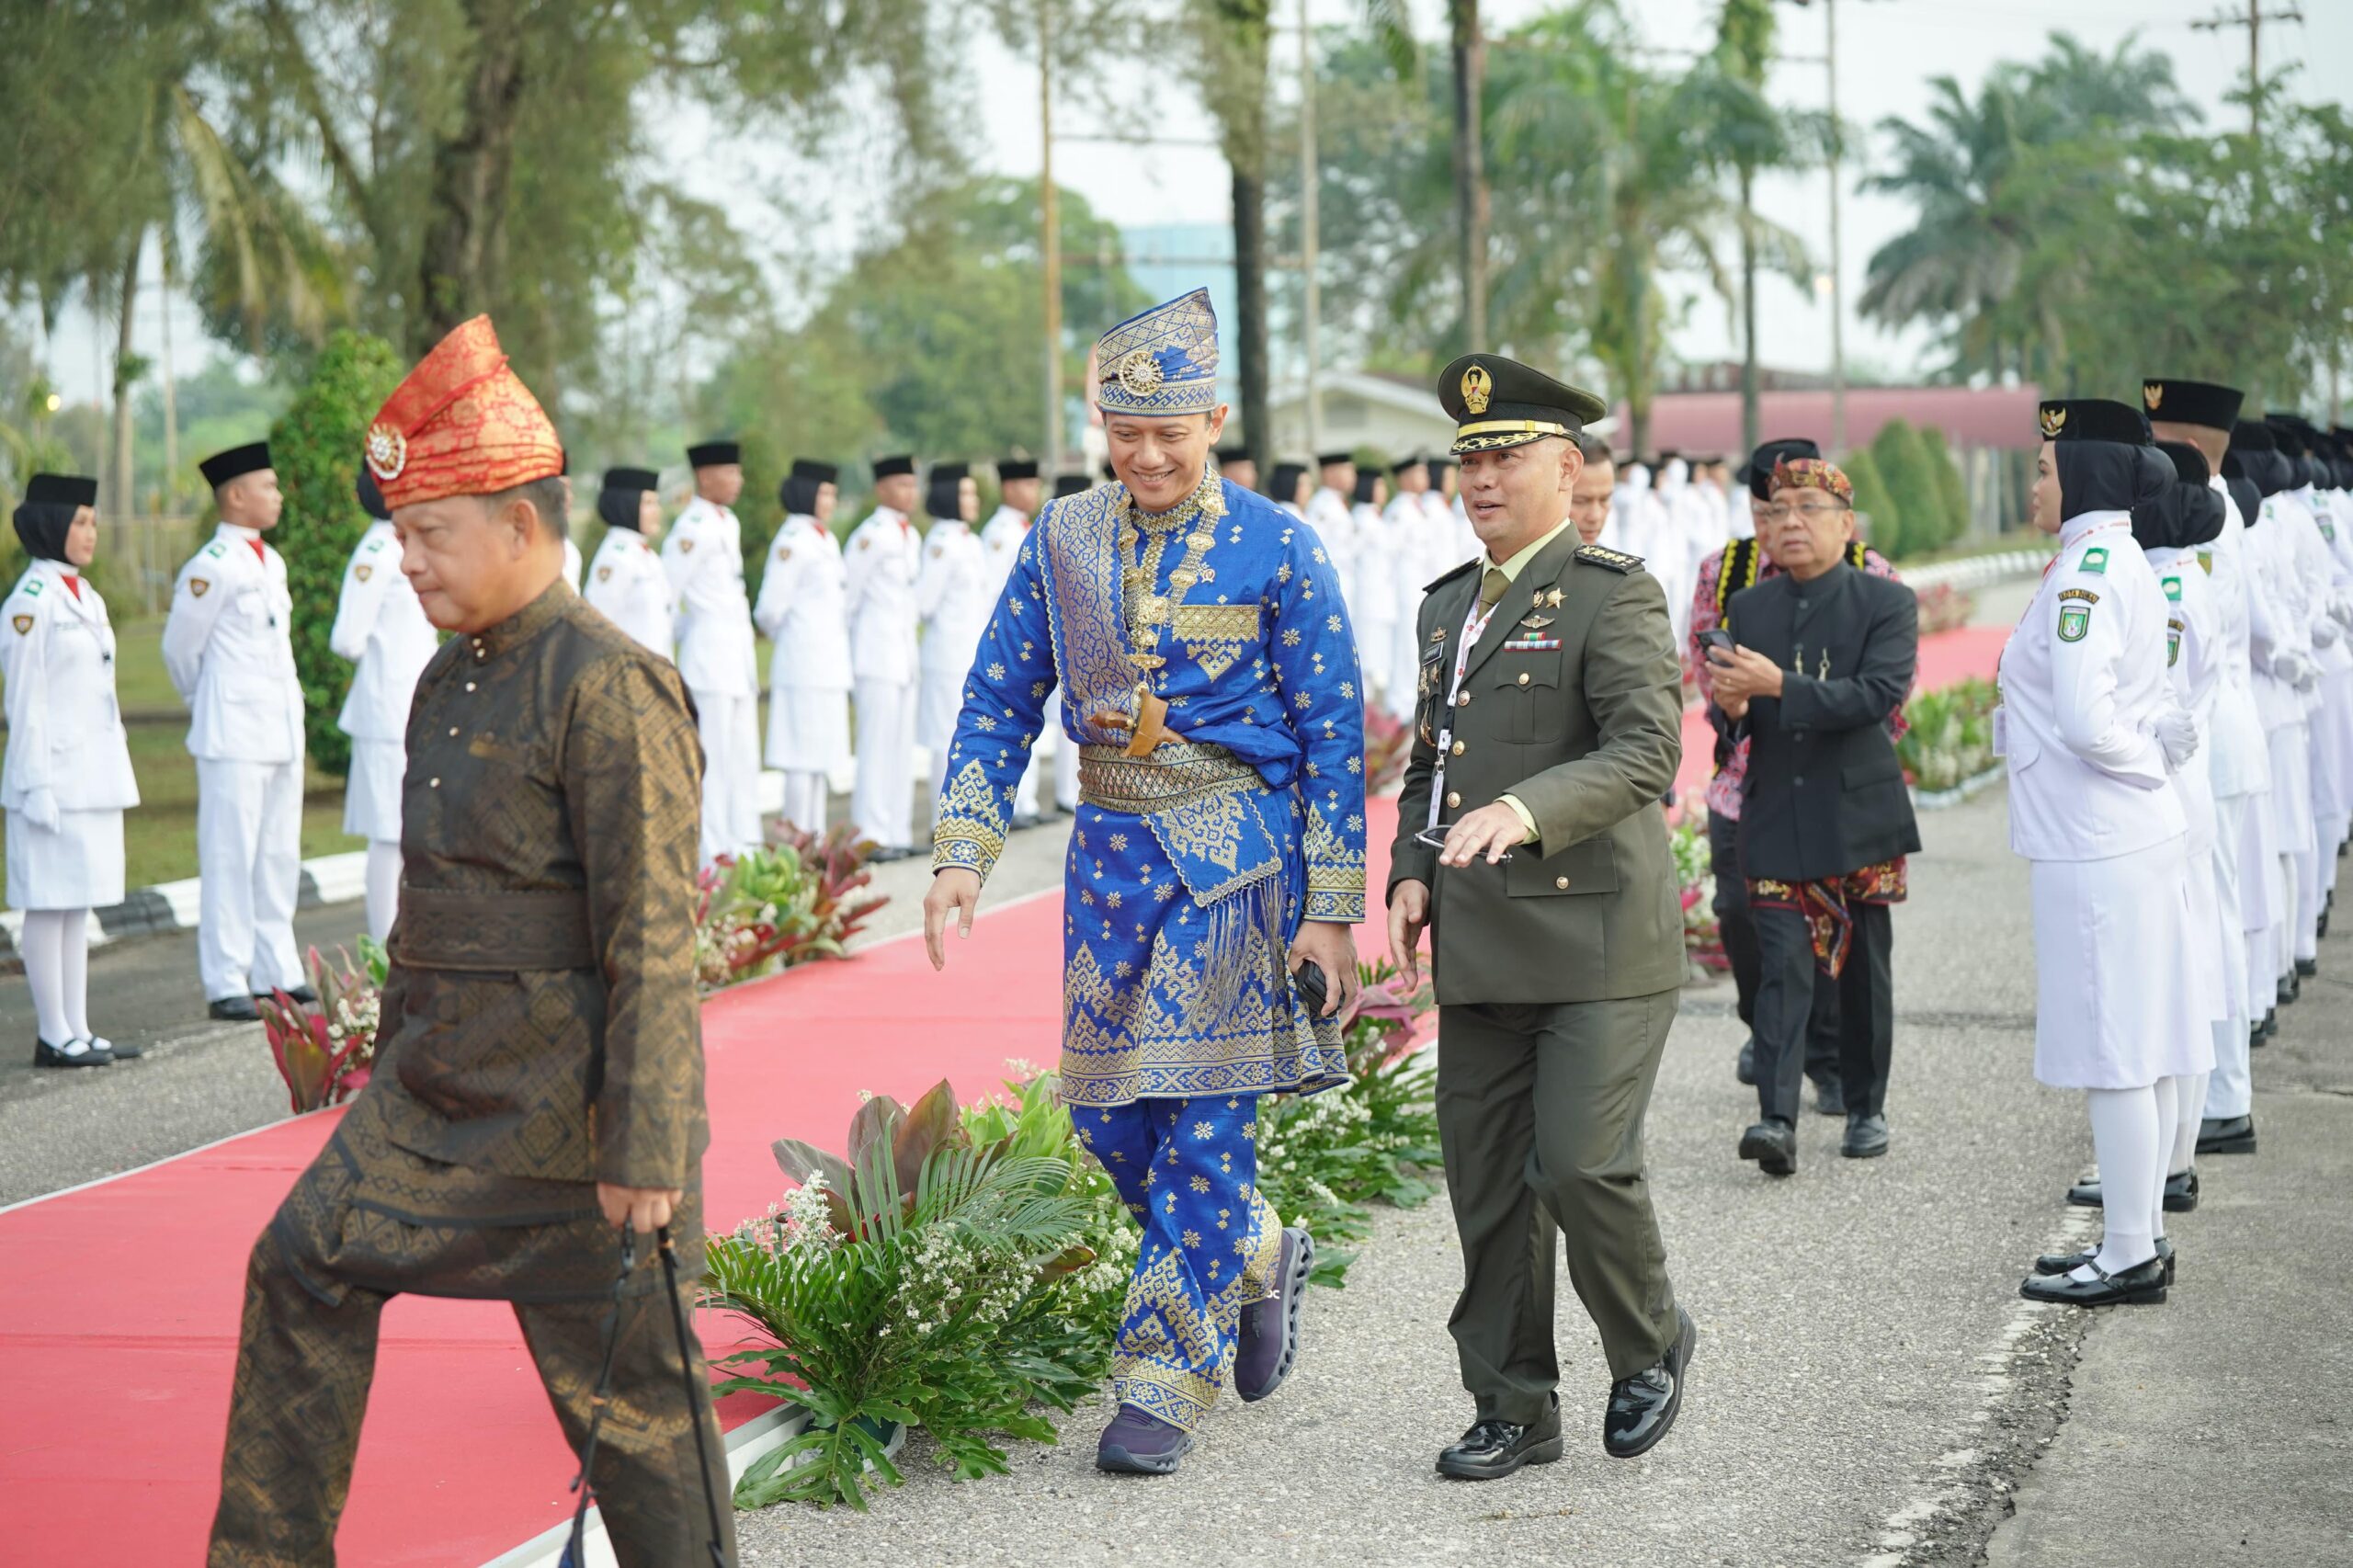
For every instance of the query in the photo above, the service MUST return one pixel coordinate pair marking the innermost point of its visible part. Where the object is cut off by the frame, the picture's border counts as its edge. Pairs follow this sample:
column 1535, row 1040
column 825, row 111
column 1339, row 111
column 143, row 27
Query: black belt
column 498, row 932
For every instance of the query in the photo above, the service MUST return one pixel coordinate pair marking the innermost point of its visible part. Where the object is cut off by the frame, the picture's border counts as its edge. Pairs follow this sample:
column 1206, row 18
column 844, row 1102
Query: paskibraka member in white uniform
column 67, row 779
column 627, row 583
column 882, row 561
column 1001, row 542
column 953, row 604
column 803, row 609
column 380, row 626
column 2092, row 734
column 228, row 646
column 717, row 657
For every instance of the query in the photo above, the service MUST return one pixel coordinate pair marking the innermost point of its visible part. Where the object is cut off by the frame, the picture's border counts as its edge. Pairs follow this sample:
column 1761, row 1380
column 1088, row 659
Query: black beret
column 1016, row 468
column 714, row 454
column 1758, row 472
column 60, row 490
column 2093, row 419
column 221, row 467
column 631, row 478
column 2202, row 403
column 822, row 473
column 890, row 468
column 1497, row 403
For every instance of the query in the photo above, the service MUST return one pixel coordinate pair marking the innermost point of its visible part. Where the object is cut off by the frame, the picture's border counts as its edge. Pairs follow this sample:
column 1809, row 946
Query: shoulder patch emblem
column 23, row 623
column 1615, row 560
column 2074, row 621
column 685, row 547
column 198, row 586
column 375, row 544
column 363, row 571
column 784, row 552
column 2083, row 594
column 866, row 543
column 2095, row 559
column 2206, row 562
column 32, row 588
column 2173, row 586
column 2173, row 643
column 214, row 549
column 604, row 574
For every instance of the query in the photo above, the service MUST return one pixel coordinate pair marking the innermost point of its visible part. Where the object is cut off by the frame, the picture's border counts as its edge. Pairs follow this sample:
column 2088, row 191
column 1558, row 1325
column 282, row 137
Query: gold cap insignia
column 23, row 623
column 386, row 453
column 2053, row 421
column 1140, row 373
column 363, row 572
column 196, row 585
column 1478, row 388
column 2152, row 394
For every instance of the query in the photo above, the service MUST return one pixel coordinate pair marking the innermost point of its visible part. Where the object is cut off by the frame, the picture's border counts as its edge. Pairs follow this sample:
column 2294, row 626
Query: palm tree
column 1392, row 24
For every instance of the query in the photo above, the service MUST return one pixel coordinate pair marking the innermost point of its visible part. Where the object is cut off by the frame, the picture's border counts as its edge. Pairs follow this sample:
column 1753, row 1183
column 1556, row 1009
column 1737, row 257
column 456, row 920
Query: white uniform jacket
column 1332, row 517
column 229, row 649
column 1377, row 550
column 571, row 564
column 628, row 586
column 2238, row 756
column 803, row 608
column 952, row 598
column 1001, row 539
column 380, row 628
column 703, row 554
column 881, row 564
column 65, row 738
column 2082, row 679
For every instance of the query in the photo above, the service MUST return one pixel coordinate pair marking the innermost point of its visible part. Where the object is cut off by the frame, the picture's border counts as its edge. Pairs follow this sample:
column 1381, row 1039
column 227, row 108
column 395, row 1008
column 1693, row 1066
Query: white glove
column 2326, row 631
column 2290, row 666
column 2177, row 734
column 2342, row 609
column 40, row 810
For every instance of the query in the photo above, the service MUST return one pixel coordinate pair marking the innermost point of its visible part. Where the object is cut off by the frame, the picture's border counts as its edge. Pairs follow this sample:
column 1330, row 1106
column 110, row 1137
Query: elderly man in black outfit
column 1824, row 653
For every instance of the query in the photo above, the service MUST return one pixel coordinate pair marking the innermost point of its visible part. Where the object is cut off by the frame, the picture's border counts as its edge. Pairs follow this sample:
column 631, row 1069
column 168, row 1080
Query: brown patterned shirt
column 541, row 1016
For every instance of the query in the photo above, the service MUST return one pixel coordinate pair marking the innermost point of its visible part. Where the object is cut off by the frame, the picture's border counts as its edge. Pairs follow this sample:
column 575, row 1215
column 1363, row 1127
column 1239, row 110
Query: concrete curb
column 1978, row 570
column 166, row 907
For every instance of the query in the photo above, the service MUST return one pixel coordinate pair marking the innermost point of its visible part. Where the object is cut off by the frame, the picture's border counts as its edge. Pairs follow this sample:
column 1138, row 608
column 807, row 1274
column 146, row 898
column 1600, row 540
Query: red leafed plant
column 784, row 904
column 1387, row 744
column 325, row 1056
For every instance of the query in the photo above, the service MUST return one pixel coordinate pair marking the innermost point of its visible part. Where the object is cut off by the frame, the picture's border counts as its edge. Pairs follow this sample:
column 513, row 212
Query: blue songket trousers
column 1188, row 1170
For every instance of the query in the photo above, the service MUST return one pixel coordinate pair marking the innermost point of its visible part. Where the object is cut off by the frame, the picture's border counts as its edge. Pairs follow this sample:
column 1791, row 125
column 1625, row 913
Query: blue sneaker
column 1270, row 1328
column 1138, row 1444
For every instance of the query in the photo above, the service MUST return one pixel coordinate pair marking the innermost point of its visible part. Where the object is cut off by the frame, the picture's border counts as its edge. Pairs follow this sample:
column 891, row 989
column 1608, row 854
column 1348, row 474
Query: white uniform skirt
column 808, row 729
column 2291, row 790
column 2331, row 730
column 77, row 865
column 371, row 795
column 2115, row 1006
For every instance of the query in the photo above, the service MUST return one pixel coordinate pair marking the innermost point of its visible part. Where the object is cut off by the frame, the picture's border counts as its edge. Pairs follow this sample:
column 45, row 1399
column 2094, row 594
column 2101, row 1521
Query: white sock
column 2168, row 1098
column 383, row 887
column 42, row 944
column 73, row 968
column 2191, row 1090
column 2131, row 1175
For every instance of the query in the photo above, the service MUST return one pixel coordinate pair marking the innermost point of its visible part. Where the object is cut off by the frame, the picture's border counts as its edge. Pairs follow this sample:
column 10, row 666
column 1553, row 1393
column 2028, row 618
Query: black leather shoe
column 2307, row 969
column 1025, row 820
column 2141, row 1286
column 124, row 1051
column 2227, row 1135
column 1773, row 1144
column 1747, row 1068
column 301, row 995
column 1866, row 1137
column 2068, row 1262
column 1644, row 1406
column 2181, row 1193
column 236, row 1010
column 2271, row 1024
column 2291, row 986
column 48, row 1055
column 1829, row 1096
column 1493, row 1450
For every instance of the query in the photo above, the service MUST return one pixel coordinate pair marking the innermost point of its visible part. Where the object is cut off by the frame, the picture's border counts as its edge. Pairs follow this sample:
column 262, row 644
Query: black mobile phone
column 1308, row 978
column 1717, row 637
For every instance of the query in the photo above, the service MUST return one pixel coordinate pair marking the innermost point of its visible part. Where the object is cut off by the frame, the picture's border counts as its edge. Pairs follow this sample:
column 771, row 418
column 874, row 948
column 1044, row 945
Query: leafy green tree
column 315, row 448
column 1882, row 529
column 1952, row 491
column 1903, row 464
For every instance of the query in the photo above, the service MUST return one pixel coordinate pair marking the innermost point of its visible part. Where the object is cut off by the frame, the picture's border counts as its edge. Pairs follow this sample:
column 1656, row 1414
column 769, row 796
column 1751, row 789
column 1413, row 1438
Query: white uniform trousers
column 2291, row 822
column 249, row 852
column 1373, row 641
column 2114, row 1005
column 881, row 803
column 730, row 727
column 2232, row 1085
column 1405, row 655
column 940, row 698
column 1065, row 758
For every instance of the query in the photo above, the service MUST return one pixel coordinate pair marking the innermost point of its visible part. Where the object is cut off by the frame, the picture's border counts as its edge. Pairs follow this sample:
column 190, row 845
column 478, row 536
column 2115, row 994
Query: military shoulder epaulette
column 1615, row 560
column 1449, row 575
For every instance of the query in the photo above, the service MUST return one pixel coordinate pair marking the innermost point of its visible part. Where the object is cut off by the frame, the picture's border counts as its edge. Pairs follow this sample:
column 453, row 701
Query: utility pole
column 1308, row 236
column 1051, row 240
column 2253, row 22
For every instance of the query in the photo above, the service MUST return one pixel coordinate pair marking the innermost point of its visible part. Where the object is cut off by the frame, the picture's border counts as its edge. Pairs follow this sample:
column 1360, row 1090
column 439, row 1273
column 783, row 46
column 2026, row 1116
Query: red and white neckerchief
column 1474, row 625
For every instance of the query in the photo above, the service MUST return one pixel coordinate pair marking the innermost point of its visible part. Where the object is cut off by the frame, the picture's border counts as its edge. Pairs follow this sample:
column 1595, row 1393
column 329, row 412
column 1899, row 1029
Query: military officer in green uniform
column 1532, row 845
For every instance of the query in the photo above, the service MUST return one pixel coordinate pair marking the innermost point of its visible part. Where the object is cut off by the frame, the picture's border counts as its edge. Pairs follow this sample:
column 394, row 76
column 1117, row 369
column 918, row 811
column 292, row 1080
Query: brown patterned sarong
column 1824, row 902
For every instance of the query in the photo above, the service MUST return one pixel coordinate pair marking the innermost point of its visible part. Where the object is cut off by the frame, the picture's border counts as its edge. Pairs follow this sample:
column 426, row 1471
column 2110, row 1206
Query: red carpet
column 118, row 1303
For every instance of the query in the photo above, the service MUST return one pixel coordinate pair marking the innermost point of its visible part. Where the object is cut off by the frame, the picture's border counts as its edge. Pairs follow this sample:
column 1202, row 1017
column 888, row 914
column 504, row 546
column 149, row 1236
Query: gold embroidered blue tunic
column 1191, row 867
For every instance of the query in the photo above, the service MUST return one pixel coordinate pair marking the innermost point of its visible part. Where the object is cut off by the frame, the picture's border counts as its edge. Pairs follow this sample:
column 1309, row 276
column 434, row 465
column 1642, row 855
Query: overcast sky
column 1888, row 51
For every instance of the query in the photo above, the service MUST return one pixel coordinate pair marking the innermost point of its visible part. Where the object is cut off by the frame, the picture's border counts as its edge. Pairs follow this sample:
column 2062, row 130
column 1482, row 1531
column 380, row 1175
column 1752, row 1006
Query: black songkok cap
column 1402, row 464
column 892, row 467
column 221, row 467
column 2093, row 419
column 1497, row 401
column 1758, row 472
column 822, row 473
column 2189, row 462
column 631, row 481
column 60, row 490
column 714, row 454
column 1017, row 468
column 1070, row 485
column 1325, row 459
column 2202, row 403
column 371, row 499
column 1228, row 455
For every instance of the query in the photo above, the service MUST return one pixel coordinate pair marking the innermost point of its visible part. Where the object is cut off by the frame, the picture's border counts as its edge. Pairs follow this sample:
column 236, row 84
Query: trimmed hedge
column 315, row 445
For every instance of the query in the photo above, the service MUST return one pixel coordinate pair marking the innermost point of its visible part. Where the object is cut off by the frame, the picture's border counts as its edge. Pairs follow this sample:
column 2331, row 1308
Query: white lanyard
column 1473, row 626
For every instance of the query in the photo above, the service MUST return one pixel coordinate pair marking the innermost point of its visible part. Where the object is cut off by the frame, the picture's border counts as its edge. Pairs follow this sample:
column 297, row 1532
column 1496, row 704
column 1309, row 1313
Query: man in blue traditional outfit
column 1209, row 681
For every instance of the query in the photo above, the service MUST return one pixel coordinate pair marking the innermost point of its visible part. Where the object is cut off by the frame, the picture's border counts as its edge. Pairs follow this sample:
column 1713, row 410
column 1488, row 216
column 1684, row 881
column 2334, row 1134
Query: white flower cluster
column 803, row 1220
column 356, row 1016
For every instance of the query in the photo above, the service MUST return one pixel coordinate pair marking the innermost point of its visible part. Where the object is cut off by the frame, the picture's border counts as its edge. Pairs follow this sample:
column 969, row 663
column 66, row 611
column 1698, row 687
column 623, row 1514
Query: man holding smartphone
column 1532, row 845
